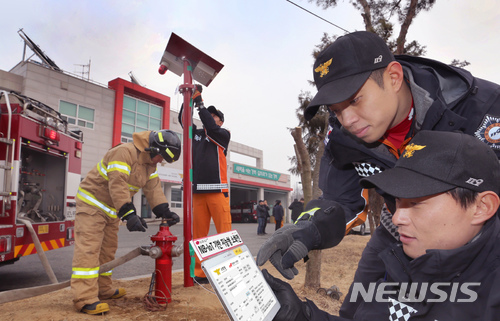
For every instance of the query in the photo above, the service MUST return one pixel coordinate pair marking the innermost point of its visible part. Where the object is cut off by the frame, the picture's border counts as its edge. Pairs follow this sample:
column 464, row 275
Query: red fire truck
column 245, row 212
column 40, row 169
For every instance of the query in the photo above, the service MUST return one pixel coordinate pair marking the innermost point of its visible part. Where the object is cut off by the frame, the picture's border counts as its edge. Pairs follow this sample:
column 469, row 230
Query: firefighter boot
column 95, row 308
column 118, row 293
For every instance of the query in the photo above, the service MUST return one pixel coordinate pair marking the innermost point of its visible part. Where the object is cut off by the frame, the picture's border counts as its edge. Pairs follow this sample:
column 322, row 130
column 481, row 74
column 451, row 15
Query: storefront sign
column 256, row 172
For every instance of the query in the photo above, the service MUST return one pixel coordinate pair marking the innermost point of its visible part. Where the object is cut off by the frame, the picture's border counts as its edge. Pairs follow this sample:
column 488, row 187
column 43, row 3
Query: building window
column 176, row 197
column 77, row 114
column 139, row 116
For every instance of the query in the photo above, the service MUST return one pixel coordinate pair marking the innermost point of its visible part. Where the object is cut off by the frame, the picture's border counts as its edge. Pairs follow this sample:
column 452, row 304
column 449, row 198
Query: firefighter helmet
column 165, row 143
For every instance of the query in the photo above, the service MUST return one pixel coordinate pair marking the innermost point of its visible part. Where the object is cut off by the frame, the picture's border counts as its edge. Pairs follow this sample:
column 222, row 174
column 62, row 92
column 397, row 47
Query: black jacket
column 262, row 211
column 278, row 212
column 210, row 145
column 297, row 208
column 446, row 98
column 462, row 284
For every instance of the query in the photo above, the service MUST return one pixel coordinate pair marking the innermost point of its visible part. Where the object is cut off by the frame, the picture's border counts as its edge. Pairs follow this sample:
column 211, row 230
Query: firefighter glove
column 321, row 226
column 292, row 308
column 134, row 223
column 163, row 211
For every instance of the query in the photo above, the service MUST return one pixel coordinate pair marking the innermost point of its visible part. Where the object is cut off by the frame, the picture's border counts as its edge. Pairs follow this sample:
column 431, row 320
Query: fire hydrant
column 163, row 253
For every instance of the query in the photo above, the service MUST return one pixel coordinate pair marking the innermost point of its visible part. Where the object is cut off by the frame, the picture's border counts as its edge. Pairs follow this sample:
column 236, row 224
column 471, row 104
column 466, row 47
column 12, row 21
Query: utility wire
column 318, row 16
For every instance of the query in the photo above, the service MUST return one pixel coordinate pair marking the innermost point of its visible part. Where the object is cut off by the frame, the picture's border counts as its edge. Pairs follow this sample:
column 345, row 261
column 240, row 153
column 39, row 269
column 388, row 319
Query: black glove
column 321, row 226
column 292, row 308
column 134, row 223
column 197, row 100
column 163, row 211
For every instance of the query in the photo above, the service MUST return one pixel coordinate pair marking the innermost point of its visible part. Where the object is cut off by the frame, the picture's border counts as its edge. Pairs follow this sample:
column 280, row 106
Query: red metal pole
column 187, row 90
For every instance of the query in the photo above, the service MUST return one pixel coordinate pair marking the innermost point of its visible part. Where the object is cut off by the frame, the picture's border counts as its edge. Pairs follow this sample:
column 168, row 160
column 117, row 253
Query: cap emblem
column 323, row 68
column 474, row 181
column 377, row 60
column 410, row 149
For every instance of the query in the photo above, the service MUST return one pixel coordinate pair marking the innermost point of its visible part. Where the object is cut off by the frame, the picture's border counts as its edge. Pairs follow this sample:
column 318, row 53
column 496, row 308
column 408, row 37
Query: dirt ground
column 192, row 303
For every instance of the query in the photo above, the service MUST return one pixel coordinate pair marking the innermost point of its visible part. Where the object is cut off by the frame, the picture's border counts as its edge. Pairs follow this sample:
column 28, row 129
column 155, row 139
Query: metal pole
column 187, row 91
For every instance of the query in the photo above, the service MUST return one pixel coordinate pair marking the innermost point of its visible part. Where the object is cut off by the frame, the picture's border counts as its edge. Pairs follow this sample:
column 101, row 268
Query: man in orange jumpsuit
column 210, row 182
column 104, row 197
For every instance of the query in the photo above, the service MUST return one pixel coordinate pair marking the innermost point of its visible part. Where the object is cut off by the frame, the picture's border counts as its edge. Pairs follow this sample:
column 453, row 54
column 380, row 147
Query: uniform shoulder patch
column 489, row 131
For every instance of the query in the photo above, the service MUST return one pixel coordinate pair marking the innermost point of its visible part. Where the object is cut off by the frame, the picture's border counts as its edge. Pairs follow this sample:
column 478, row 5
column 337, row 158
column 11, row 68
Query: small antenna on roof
column 85, row 70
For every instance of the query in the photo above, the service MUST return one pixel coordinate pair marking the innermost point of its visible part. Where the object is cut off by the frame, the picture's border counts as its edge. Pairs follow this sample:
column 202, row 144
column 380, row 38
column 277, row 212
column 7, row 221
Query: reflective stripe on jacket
column 122, row 172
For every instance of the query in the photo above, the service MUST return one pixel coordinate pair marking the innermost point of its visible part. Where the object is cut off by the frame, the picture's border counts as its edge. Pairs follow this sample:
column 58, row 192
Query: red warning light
column 163, row 69
column 51, row 134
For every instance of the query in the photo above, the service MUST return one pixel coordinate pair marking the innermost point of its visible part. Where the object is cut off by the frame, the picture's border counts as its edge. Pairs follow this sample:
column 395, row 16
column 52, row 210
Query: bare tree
column 310, row 179
column 378, row 17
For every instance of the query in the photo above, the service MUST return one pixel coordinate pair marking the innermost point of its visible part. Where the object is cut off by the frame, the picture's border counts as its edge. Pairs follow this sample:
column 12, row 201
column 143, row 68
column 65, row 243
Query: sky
column 265, row 46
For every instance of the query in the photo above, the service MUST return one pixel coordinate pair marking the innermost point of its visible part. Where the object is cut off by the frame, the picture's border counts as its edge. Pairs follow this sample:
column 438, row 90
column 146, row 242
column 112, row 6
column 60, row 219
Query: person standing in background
column 297, row 208
column 268, row 216
column 262, row 214
column 278, row 214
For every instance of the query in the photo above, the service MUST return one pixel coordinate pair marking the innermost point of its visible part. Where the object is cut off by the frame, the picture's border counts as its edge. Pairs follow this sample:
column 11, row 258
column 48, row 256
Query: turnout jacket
column 445, row 98
column 120, row 174
column 210, row 145
column 441, row 285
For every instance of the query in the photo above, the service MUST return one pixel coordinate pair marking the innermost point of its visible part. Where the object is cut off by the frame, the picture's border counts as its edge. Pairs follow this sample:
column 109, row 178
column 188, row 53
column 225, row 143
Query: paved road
column 28, row 271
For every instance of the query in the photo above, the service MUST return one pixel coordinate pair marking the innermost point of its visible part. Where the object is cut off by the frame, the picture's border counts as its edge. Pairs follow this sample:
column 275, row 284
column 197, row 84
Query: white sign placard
column 215, row 244
column 240, row 286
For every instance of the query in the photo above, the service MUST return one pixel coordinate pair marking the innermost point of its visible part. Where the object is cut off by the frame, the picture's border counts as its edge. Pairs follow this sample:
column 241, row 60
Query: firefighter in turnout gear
column 104, row 198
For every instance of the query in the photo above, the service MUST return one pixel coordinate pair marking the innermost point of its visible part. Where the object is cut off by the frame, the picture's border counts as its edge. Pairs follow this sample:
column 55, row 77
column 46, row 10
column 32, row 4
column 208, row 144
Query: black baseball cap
column 217, row 112
column 344, row 66
column 435, row 162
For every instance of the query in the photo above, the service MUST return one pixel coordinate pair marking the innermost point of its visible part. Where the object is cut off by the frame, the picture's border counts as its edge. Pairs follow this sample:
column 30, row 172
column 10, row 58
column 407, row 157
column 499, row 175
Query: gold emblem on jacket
column 410, row 150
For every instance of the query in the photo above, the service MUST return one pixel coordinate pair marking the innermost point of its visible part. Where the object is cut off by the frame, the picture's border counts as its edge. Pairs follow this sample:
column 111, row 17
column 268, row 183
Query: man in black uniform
column 378, row 103
column 446, row 266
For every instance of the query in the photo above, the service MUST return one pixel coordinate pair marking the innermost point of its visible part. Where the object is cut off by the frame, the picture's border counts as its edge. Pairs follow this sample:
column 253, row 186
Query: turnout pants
column 206, row 206
column 96, row 241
